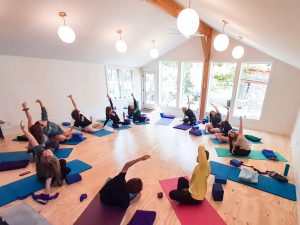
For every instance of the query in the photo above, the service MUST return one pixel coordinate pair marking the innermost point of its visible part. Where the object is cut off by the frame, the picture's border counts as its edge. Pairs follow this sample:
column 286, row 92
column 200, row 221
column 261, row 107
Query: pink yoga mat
column 203, row 213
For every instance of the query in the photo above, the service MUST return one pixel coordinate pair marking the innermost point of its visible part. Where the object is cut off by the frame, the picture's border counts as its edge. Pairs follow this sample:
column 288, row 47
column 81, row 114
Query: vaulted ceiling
column 29, row 28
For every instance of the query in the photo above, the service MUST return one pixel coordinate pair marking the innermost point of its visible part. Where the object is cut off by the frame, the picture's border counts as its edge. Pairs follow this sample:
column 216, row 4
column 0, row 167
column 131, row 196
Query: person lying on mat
column 119, row 192
column 112, row 115
column 37, row 131
column 189, row 116
column 135, row 112
column 48, row 168
column 238, row 144
column 215, row 119
column 44, row 126
column 82, row 121
column 193, row 192
column 225, row 127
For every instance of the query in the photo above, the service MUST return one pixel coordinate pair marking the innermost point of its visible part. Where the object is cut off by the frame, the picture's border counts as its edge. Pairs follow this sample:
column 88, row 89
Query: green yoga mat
column 224, row 152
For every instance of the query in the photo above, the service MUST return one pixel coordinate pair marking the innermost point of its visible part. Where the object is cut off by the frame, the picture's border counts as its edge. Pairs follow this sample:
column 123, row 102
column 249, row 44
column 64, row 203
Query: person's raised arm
column 29, row 136
column 27, row 113
column 110, row 101
column 134, row 102
column 216, row 108
column 73, row 102
column 44, row 112
column 241, row 126
column 227, row 117
column 131, row 163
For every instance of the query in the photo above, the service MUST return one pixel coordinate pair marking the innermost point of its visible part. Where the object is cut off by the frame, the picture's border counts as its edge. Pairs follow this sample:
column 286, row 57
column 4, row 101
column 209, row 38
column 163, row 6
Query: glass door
column 149, row 90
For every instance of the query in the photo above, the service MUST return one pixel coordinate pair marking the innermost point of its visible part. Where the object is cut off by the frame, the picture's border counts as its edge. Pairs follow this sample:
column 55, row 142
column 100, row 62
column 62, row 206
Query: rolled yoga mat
column 202, row 213
column 98, row 214
column 224, row 152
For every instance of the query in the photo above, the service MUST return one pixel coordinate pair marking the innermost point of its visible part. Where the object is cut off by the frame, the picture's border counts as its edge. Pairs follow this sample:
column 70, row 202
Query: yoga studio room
column 149, row 112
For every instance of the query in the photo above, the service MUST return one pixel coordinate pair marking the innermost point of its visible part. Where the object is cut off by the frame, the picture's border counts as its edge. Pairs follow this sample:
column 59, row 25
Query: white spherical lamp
column 188, row 22
column 154, row 53
column 221, row 42
column 121, row 46
column 238, row 52
column 66, row 34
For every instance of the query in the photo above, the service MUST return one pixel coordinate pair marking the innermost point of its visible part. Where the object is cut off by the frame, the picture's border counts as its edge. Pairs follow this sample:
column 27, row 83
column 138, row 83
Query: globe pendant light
column 238, row 51
column 188, row 21
column 154, row 53
column 221, row 41
column 121, row 45
column 65, row 33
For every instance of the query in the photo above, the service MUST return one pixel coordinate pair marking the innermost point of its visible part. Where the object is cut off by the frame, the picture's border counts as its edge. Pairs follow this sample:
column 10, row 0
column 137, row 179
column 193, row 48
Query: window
column 252, row 88
column 191, row 82
column 119, row 82
column 168, row 83
column 220, row 85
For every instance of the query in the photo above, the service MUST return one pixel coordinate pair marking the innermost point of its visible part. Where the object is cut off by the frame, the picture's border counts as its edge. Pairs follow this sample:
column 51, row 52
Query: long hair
column 107, row 111
column 210, row 116
column 37, row 131
column 52, row 164
column 231, row 140
column 75, row 114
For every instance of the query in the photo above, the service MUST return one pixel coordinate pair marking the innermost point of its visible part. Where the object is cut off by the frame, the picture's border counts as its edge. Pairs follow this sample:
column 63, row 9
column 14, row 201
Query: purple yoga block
column 220, row 180
column 142, row 217
column 195, row 132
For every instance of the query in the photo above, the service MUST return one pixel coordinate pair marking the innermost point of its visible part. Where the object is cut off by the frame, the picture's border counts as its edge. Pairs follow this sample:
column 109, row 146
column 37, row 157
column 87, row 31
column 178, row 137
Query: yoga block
column 220, row 180
column 73, row 178
column 217, row 192
column 235, row 163
column 126, row 122
column 195, row 132
column 66, row 124
column 196, row 127
column 160, row 194
column 77, row 136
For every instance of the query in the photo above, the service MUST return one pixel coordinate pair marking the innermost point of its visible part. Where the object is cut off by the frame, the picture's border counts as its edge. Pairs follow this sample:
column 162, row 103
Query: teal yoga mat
column 224, row 152
column 99, row 133
column 73, row 142
column 109, row 123
column 266, row 184
column 216, row 142
column 25, row 187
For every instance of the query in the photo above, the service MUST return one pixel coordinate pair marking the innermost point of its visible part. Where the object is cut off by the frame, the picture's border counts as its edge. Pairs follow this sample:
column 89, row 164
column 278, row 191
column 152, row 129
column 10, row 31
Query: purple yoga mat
column 142, row 217
column 164, row 121
column 98, row 214
column 183, row 126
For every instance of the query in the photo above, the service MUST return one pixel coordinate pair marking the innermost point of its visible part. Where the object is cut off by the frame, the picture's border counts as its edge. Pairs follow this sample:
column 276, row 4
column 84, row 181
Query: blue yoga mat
column 267, row 184
column 205, row 132
column 109, row 123
column 216, row 142
column 63, row 153
column 99, row 133
column 73, row 142
column 164, row 121
column 141, row 123
column 13, row 156
column 25, row 187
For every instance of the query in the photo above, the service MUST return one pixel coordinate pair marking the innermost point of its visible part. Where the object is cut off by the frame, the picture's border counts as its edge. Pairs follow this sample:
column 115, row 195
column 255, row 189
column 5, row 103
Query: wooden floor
column 173, row 154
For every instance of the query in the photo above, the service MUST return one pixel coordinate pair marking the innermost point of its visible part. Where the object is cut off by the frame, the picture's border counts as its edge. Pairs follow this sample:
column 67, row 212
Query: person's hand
column 69, row 96
column 38, row 101
column 24, row 105
column 132, row 94
column 241, row 118
column 145, row 157
column 22, row 125
column 108, row 96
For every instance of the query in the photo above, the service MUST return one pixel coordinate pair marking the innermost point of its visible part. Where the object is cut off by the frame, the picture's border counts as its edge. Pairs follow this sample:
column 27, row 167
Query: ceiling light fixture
column 65, row 33
column 121, row 45
column 188, row 21
column 221, row 41
column 154, row 53
column 238, row 51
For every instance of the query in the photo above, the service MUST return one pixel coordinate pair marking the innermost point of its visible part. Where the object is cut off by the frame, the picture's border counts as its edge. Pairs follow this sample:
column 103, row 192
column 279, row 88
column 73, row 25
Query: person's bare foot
column 2, row 122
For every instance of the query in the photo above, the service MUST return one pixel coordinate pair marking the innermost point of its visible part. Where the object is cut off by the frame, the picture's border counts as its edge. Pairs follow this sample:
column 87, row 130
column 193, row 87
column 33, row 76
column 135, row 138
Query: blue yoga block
column 217, row 192
column 195, row 132
column 220, row 180
column 196, row 127
column 66, row 124
column 77, row 136
column 71, row 179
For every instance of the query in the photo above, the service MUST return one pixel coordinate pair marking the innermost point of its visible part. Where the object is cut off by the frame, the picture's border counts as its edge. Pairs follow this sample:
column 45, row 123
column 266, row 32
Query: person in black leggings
column 225, row 127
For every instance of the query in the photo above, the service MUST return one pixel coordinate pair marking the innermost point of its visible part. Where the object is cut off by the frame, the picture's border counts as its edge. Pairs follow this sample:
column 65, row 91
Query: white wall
column 26, row 79
column 295, row 143
column 282, row 98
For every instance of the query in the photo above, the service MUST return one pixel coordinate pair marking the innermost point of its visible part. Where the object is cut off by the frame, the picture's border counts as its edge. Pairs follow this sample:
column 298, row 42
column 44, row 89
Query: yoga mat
column 202, row 213
column 141, row 123
column 266, row 184
column 63, row 153
column 109, row 123
column 99, row 133
column 216, row 142
column 25, row 187
column 24, row 214
column 224, row 152
column 143, row 217
column 13, row 156
column 98, row 214
column 205, row 132
column 164, row 121
column 73, row 142
column 183, row 127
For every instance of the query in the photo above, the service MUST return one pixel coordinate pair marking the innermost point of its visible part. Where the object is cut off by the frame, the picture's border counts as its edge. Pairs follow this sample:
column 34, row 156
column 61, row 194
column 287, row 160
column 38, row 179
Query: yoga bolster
column 268, row 153
column 252, row 138
column 235, row 163
column 71, row 179
column 126, row 122
column 66, row 124
column 286, row 169
column 77, row 136
column 163, row 115
column 217, row 192
column 5, row 166
column 195, row 132
column 220, row 180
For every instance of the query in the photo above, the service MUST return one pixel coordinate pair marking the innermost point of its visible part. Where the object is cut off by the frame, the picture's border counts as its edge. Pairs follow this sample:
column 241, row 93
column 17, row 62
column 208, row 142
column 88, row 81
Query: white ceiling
column 28, row 28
